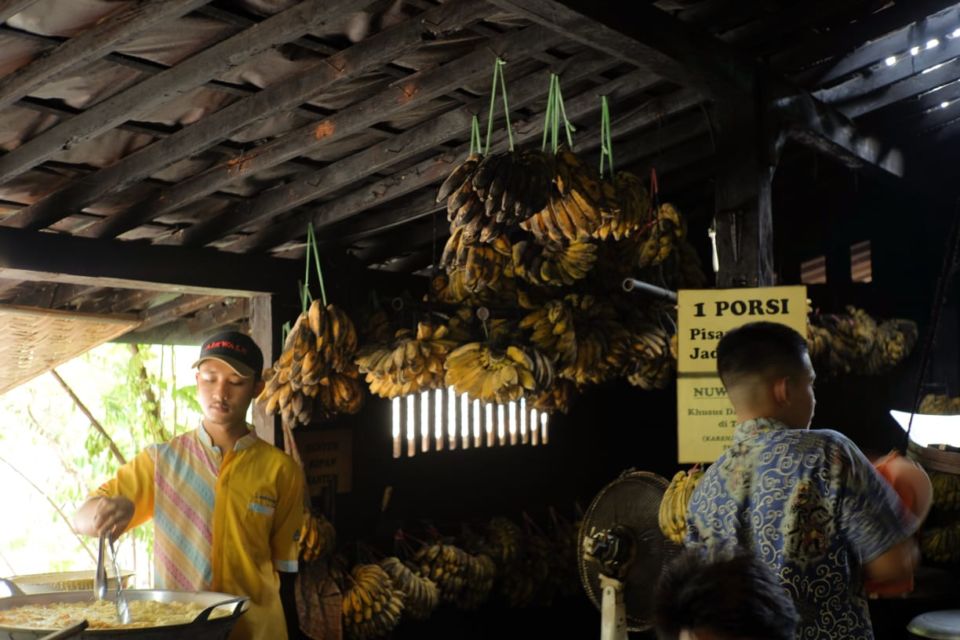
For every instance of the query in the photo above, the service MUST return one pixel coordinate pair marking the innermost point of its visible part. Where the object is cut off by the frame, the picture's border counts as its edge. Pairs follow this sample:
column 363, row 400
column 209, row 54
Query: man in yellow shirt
column 227, row 507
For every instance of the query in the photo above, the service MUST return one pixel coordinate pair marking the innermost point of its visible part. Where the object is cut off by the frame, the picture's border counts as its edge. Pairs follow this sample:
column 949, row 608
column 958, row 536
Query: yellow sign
column 705, row 418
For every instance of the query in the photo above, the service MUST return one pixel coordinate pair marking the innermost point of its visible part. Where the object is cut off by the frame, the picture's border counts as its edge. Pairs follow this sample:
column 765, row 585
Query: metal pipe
column 632, row 284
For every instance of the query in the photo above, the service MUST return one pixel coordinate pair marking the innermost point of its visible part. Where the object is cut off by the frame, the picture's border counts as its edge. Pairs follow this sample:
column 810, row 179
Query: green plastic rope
column 305, row 296
column 548, row 115
column 554, row 115
column 498, row 79
column 606, row 140
column 476, row 145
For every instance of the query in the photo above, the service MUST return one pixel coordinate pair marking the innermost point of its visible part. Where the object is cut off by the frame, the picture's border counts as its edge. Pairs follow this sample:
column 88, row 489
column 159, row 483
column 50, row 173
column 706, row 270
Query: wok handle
column 69, row 632
column 12, row 586
column 205, row 614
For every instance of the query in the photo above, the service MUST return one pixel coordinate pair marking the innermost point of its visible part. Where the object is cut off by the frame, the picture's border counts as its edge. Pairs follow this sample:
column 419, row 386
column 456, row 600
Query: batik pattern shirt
column 812, row 507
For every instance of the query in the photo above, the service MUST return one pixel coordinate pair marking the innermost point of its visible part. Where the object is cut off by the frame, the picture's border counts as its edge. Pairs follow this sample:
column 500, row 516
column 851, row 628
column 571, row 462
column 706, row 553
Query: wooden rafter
column 168, row 85
column 818, row 53
column 914, row 85
column 194, row 328
column 332, row 177
column 281, row 96
column 56, row 258
column 416, row 90
column 917, row 33
column 434, row 169
column 92, row 44
column 721, row 71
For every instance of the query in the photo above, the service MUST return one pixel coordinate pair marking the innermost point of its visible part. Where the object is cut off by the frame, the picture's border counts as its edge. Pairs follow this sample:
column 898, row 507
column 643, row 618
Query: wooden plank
column 925, row 104
column 172, row 83
column 50, row 257
column 805, row 120
column 434, row 132
column 912, row 86
column 219, row 125
column 818, row 52
column 121, row 301
column 194, row 329
column 877, row 79
column 594, row 29
column 178, row 307
column 61, row 110
column 91, row 44
column 418, row 89
column 433, row 169
column 10, row 8
column 717, row 69
column 897, row 43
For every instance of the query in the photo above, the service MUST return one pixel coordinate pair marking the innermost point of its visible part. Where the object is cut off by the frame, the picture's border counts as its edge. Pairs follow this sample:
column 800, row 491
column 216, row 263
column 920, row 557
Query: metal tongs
column 100, row 580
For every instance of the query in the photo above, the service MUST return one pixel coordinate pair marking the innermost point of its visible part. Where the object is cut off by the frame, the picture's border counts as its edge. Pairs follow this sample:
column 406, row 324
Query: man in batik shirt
column 807, row 503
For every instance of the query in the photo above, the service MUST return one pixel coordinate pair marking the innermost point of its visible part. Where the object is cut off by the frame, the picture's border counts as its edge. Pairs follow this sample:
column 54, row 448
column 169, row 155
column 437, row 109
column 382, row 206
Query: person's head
column 766, row 370
column 735, row 599
column 228, row 377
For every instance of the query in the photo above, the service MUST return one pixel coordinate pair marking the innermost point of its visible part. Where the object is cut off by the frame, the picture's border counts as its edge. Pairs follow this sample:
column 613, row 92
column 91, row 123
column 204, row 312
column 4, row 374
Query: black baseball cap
column 236, row 350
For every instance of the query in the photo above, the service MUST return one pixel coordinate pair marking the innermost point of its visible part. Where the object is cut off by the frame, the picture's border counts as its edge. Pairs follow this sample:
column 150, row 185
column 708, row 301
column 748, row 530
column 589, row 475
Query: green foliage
column 137, row 401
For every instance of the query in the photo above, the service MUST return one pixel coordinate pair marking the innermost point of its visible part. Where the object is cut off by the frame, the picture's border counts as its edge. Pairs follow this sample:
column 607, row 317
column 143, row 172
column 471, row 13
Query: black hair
column 736, row 599
column 764, row 348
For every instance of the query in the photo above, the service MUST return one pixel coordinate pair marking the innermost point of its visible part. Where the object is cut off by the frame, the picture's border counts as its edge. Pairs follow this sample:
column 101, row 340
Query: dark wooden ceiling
column 155, row 137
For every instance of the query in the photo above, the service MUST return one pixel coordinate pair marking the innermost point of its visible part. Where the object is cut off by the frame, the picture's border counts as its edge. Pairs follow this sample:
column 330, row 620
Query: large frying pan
column 203, row 626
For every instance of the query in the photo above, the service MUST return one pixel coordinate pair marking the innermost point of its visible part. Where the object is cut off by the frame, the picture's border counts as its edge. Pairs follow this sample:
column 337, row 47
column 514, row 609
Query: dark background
column 820, row 209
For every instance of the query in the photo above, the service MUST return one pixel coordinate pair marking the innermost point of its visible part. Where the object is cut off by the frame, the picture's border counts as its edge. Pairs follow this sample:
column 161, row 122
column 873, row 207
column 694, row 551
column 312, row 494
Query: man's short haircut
column 759, row 348
column 735, row 599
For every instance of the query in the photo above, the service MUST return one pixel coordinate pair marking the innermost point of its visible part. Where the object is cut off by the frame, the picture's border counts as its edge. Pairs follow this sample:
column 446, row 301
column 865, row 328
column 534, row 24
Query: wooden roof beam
column 437, row 131
column 51, row 257
column 821, row 50
column 917, row 33
column 714, row 68
column 416, row 90
column 134, row 101
column 192, row 330
column 219, row 125
column 653, row 144
column 432, row 170
column 90, row 45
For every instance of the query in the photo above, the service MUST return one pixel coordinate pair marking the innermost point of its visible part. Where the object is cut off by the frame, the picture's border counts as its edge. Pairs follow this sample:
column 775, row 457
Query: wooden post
column 748, row 154
column 263, row 333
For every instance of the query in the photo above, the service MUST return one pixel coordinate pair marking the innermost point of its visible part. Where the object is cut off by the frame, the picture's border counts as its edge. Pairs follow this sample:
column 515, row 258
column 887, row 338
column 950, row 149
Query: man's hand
column 99, row 516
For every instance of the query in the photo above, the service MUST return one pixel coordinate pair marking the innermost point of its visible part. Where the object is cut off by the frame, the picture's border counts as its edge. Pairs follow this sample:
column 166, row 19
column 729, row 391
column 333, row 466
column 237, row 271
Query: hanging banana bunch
column 556, row 398
column 410, row 364
column 672, row 517
column 662, row 237
column 421, row 595
column 489, row 196
column 487, row 372
column 553, row 331
column 503, row 540
column 480, row 266
column 651, row 362
column 446, row 566
column 342, row 395
column 553, row 264
column 317, row 538
column 480, row 575
column 855, row 342
column 941, row 544
column 633, row 212
column 371, row 606
column 323, row 341
column 941, row 405
column 578, row 205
